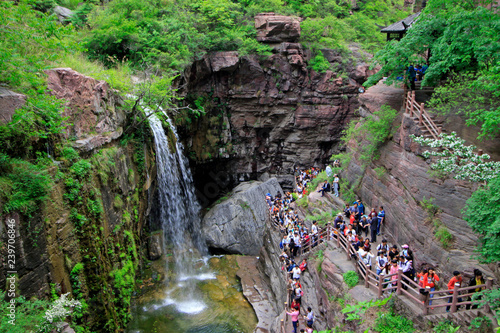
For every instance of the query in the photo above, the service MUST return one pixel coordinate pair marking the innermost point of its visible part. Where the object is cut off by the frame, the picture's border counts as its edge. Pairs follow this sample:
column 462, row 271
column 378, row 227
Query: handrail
column 406, row 286
column 412, row 107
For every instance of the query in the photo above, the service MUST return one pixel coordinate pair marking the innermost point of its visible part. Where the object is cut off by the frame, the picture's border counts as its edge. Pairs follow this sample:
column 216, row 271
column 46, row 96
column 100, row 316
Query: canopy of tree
column 464, row 47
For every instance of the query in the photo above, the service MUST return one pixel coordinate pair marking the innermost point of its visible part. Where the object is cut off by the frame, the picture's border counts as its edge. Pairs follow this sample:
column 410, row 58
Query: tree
column 461, row 38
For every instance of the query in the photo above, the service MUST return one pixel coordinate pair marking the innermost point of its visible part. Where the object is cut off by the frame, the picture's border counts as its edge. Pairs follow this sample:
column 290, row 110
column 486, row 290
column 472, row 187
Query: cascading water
column 203, row 294
column 179, row 214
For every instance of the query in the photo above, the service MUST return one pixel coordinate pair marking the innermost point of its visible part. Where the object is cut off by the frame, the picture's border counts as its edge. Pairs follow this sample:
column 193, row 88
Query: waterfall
column 180, row 219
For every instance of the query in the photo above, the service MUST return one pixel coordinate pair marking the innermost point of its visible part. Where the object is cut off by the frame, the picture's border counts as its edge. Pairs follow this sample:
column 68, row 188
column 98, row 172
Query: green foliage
column 29, row 314
column 380, row 172
column 303, row 202
column 313, row 184
column 429, row 207
column 169, row 35
column 391, row 322
column 355, row 311
column 42, row 5
column 462, row 39
column 118, row 202
column 351, row 278
column 481, row 213
column 444, row 236
column 473, row 94
column 319, row 257
column 480, row 324
column 24, row 186
column 319, row 64
column 491, row 298
column 74, row 277
column 446, row 327
column 322, row 218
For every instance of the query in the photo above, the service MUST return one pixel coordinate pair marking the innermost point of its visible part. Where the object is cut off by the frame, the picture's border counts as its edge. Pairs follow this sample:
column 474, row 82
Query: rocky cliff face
column 403, row 188
column 267, row 114
column 86, row 238
column 237, row 225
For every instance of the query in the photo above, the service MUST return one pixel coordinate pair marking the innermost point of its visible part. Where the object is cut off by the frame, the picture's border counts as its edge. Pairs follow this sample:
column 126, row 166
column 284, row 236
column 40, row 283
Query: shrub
column 444, row 236
column 351, row 278
column 391, row 322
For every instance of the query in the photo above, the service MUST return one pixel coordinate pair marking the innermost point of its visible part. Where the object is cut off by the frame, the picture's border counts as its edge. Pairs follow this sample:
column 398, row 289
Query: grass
column 351, row 278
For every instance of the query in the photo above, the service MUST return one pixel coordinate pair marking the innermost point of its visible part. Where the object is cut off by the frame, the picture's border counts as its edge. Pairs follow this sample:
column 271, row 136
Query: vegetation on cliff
column 459, row 42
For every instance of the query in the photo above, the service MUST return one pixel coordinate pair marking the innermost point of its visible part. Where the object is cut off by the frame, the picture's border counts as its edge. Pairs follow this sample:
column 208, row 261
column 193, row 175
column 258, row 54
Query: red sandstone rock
column 91, row 107
column 9, row 102
column 224, row 61
column 273, row 28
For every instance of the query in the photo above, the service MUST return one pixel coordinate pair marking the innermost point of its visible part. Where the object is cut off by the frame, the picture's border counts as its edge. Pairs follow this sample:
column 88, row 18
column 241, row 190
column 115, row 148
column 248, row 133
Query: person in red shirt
column 457, row 278
column 430, row 280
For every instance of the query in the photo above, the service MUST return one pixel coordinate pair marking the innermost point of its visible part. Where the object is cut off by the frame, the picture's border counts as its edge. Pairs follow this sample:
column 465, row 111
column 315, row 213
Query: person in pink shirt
column 295, row 318
column 394, row 270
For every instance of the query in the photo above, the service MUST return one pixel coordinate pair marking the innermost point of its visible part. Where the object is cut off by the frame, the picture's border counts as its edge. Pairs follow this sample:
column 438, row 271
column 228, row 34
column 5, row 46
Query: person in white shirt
column 381, row 261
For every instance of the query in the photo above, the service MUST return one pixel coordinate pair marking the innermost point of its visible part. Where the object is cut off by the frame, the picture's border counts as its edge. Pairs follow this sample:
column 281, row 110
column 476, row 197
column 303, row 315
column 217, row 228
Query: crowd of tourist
column 354, row 222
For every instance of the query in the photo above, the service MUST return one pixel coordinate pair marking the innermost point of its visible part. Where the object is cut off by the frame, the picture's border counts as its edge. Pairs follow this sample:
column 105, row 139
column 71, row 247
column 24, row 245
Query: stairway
column 425, row 132
column 462, row 318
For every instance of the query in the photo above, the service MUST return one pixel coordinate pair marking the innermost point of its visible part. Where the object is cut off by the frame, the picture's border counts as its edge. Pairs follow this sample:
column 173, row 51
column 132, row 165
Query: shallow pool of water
column 217, row 307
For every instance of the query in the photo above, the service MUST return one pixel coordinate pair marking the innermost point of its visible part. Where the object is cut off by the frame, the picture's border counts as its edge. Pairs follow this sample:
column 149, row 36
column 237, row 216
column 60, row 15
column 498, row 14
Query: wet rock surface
column 237, row 225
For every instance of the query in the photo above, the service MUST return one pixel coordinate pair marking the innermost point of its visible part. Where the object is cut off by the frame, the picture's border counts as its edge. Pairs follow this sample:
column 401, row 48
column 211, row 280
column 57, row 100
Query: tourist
column 381, row 219
column 303, row 265
column 361, row 208
column 338, row 220
column 309, row 329
column 476, row 280
column 383, row 246
column 314, row 231
column 407, row 267
column 430, row 281
column 394, row 270
column 310, row 317
column 366, row 245
column 393, row 253
column 420, row 276
column 325, row 188
column 296, row 272
column 295, row 304
column 455, row 280
column 336, row 185
column 374, row 221
column 366, row 257
column 295, row 318
column 364, row 225
column 382, row 261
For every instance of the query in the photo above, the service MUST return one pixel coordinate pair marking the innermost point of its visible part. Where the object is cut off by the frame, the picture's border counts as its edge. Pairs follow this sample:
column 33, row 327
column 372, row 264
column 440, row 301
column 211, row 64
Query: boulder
column 376, row 96
column 272, row 28
column 63, row 14
column 9, row 102
column 92, row 107
column 237, row 225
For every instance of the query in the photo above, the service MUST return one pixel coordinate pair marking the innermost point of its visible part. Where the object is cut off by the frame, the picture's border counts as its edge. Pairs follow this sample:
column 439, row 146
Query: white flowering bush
column 57, row 313
column 458, row 159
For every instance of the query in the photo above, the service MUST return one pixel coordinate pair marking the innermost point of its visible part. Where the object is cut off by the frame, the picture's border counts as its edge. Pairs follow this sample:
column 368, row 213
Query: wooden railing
column 405, row 286
column 415, row 109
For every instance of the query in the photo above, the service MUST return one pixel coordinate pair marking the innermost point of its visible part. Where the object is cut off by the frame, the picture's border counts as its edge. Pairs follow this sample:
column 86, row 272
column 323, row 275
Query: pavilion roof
column 401, row 26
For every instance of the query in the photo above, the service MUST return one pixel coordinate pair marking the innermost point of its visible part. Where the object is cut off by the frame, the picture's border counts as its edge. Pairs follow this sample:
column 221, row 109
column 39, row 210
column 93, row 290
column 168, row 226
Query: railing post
column 338, row 238
column 367, row 285
column 454, row 298
column 426, row 300
column 398, row 290
column 347, row 246
column 411, row 103
column 380, row 284
column 328, row 228
column 421, row 116
column 440, row 130
column 489, row 285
